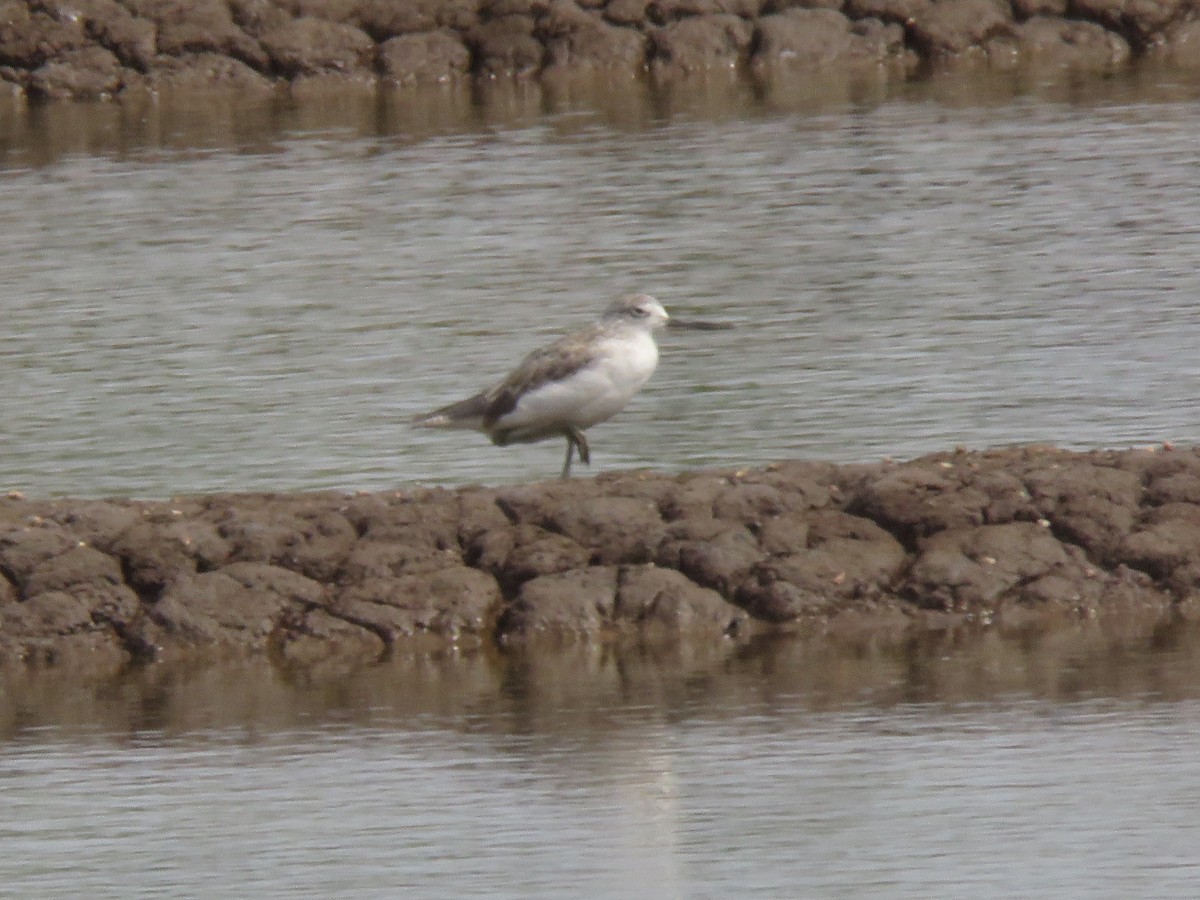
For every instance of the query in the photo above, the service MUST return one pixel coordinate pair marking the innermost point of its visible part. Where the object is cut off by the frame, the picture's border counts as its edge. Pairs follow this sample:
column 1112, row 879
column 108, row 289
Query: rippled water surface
column 905, row 276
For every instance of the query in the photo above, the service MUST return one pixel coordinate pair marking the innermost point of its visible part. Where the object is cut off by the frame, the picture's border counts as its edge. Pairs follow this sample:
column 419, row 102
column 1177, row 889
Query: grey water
column 995, row 767
column 239, row 302
column 904, row 277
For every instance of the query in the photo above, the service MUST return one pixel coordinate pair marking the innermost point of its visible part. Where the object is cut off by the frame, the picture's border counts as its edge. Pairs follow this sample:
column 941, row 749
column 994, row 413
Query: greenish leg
column 576, row 440
column 566, row 472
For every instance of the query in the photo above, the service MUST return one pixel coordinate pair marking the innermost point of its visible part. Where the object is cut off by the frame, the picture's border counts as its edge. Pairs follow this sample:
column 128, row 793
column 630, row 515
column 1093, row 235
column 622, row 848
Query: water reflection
column 810, row 767
column 43, row 134
column 598, row 689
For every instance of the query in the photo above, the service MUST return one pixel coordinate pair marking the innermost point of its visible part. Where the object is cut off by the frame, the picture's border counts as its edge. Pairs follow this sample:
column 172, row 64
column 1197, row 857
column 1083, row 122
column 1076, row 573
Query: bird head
column 638, row 309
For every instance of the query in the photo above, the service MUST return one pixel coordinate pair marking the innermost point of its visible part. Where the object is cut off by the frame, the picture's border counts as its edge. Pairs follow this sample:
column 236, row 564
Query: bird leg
column 585, row 452
column 566, row 472
column 576, row 440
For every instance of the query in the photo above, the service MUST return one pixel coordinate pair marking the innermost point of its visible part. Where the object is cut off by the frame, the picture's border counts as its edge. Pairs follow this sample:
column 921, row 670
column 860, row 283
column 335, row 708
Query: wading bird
column 568, row 386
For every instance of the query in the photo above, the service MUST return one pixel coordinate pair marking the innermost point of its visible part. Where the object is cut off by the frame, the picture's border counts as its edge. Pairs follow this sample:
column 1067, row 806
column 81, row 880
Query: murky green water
column 231, row 299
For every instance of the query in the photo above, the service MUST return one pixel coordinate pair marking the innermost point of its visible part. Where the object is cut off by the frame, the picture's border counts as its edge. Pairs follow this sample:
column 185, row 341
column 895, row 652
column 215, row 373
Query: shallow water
column 186, row 315
column 1020, row 767
column 904, row 804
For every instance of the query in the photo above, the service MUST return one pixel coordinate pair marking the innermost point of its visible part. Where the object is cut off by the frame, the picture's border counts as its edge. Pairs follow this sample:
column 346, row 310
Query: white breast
column 593, row 394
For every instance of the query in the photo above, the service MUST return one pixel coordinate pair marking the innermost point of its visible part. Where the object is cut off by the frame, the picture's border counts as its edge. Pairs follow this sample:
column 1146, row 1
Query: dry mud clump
column 1004, row 537
column 101, row 48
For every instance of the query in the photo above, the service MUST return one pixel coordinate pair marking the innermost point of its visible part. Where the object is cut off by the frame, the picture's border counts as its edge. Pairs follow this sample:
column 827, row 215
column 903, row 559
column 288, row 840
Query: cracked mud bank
column 1004, row 537
column 103, row 48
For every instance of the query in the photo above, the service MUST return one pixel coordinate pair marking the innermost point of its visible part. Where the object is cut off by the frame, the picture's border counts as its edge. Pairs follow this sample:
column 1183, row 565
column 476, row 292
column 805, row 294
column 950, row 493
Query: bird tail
column 463, row 414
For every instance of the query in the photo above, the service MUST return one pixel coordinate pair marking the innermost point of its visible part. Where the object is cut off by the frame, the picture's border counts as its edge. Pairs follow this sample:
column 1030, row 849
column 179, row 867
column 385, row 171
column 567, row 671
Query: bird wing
column 554, row 362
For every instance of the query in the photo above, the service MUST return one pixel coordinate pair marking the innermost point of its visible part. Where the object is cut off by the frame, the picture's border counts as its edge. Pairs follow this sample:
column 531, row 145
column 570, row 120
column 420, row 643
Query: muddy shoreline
column 1024, row 538
column 89, row 49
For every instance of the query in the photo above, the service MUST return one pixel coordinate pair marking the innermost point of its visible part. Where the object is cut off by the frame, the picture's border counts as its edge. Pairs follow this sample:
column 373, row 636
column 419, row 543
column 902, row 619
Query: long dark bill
column 697, row 325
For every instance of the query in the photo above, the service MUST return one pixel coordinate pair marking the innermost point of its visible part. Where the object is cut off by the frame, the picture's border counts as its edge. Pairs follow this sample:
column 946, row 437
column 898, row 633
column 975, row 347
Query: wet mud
column 84, row 49
column 1022, row 538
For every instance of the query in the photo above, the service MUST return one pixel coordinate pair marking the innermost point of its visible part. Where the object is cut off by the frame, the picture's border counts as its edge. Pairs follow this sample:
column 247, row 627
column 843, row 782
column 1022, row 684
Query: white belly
column 593, row 394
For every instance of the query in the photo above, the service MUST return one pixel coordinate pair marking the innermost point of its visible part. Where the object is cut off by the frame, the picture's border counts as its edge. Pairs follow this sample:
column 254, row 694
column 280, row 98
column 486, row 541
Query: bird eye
column 641, row 312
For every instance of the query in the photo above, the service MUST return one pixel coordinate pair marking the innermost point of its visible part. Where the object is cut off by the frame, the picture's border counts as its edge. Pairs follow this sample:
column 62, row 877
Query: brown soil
column 102, row 48
column 1004, row 538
